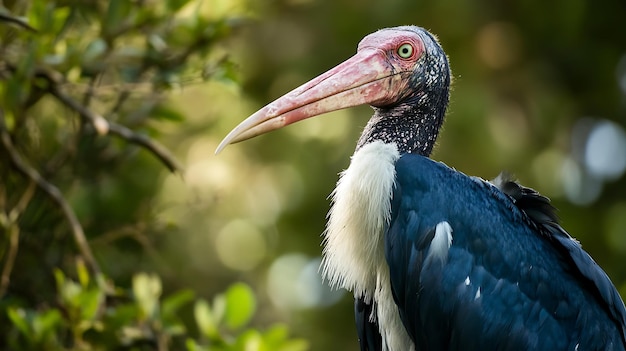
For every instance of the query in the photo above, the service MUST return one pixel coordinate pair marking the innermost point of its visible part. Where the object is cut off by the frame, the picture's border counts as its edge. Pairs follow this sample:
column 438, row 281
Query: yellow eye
column 405, row 50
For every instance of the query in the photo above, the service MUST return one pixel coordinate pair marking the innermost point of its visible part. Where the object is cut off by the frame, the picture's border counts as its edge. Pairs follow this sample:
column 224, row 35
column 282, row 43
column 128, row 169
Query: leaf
column 35, row 15
column 240, row 305
column 45, row 322
column 70, row 293
column 147, row 291
column 250, row 340
column 174, row 302
column 117, row 12
column 277, row 339
column 170, row 306
column 121, row 315
column 192, row 345
column 223, row 70
column 82, row 272
column 47, row 18
column 205, row 319
column 59, row 17
column 219, row 307
column 19, row 319
column 59, row 277
column 276, row 334
column 90, row 303
column 175, row 5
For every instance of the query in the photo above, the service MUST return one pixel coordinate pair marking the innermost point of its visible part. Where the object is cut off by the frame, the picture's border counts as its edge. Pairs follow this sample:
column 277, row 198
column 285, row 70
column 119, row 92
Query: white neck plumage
column 354, row 256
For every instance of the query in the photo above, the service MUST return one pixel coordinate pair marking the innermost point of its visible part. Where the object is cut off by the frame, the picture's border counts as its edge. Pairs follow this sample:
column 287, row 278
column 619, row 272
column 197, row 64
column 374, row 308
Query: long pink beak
column 366, row 78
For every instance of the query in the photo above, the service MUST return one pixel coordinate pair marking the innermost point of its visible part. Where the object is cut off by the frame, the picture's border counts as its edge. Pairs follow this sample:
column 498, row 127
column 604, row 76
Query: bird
column 436, row 259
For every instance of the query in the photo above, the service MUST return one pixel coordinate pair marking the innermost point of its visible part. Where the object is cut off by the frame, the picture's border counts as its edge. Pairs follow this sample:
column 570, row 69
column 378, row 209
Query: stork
column 436, row 259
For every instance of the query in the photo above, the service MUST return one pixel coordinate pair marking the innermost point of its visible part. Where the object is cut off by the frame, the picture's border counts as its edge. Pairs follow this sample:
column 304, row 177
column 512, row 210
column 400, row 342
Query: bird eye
column 405, row 50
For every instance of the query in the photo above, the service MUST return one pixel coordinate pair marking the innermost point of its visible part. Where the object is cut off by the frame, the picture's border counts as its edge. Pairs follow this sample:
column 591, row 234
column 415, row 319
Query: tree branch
column 103, row 126
column 20, row 21
column 14, row 235
column 53, row 192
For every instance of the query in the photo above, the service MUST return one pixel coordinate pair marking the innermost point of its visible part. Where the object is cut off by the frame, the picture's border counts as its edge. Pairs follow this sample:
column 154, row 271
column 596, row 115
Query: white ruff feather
column 353, row 240
column 354, row 256
column 391, row 328
column 440, row 244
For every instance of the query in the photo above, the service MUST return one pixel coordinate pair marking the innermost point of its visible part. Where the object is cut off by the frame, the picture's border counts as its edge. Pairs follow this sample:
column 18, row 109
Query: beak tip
column 220, row 147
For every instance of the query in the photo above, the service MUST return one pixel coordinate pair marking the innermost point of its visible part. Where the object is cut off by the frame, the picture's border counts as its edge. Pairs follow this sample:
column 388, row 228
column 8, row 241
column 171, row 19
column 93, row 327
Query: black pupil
column 405, row 50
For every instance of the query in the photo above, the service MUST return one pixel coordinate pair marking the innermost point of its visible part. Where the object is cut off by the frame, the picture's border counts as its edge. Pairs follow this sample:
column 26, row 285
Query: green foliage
column 37, row 328
column 230, row 313
column 95, row 315
column 83, row 88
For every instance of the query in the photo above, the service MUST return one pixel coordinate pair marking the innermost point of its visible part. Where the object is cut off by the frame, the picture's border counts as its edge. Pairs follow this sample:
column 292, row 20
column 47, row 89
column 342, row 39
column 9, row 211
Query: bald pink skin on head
column 375, row 75
column 391, row 39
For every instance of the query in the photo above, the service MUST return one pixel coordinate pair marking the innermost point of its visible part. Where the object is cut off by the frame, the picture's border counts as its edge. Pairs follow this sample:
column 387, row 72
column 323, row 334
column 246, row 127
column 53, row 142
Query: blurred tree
column 84, row 96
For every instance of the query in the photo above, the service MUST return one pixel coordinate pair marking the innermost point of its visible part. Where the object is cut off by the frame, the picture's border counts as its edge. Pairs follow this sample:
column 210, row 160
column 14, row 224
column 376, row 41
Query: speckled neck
column 414, row 122
column 411, row 131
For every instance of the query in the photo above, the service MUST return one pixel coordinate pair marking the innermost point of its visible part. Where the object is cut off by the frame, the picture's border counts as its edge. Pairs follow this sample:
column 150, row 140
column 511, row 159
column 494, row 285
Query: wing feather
column 513, row 278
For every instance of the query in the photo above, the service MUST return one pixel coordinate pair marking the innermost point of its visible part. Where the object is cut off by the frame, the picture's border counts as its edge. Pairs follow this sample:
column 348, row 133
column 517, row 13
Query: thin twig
column 14, row 235
column 54, row 193
column 14, row 232
column 6, row 17
column 14, row 242
column 103, row 126
column 19, row 208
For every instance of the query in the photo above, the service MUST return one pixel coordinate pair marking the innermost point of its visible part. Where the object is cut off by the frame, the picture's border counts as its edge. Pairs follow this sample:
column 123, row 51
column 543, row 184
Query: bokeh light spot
column 294, row 283
column 334, row 126
column 240, row 245
column 605, row 151
column 499, row 44
column 263, row 197
column 546, row 168
column 579, row 187
column 508, row 125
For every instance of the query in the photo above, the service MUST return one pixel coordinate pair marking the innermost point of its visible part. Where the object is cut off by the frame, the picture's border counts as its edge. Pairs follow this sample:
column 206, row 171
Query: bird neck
column 412, row 125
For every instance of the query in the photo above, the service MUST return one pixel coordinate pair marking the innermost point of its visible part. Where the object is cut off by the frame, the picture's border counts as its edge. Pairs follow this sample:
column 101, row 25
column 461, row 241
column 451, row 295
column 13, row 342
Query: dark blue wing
column 509, row 282
column 367, row 330
column 543, row 217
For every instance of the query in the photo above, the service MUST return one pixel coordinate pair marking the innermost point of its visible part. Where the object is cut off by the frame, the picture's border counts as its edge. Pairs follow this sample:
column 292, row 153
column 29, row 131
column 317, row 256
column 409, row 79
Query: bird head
column 402, row 72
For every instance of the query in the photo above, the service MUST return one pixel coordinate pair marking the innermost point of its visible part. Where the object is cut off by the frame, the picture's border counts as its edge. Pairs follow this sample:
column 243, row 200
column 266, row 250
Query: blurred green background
column 539, row 90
